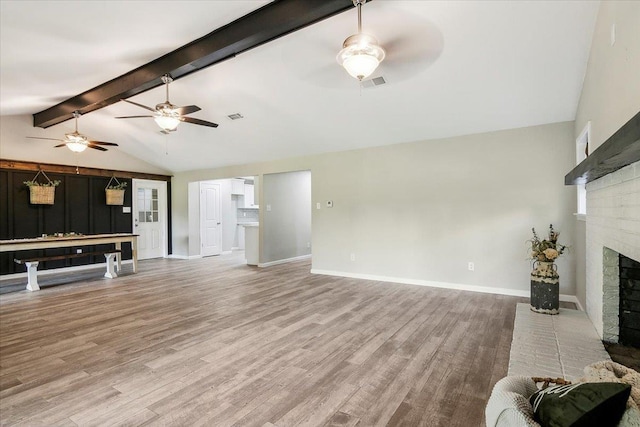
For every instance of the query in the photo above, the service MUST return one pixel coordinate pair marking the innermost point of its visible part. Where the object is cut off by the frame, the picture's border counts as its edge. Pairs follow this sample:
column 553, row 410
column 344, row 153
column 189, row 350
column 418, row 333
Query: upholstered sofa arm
column 509, row 404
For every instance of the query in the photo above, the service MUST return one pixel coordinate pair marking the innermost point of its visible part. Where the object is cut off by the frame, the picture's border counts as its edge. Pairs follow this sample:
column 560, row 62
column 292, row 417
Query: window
column 147, row 205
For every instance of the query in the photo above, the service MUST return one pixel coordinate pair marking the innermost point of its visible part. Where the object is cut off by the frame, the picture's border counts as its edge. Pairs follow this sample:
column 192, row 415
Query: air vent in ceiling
column 377, row 81
column 235, row 116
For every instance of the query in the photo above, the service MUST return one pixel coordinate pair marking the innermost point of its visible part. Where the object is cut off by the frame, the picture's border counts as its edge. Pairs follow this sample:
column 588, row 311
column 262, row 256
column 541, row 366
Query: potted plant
column 115, row 192
column 545, row 281
column 42, row 193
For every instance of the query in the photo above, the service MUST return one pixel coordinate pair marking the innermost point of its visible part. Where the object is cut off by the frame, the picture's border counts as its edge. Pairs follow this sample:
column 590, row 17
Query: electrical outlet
column 471, row 266
column 308, row 244
column 268, row 208
column 353, row 257
column 244, row 214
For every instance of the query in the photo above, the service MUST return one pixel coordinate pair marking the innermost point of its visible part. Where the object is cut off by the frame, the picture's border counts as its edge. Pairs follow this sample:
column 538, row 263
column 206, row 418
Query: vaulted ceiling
column 452, row 68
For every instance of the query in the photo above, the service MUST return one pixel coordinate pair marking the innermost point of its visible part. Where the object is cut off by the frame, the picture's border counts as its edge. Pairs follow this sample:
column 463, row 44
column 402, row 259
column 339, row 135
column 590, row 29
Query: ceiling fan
column 169, row 116
column 411, row 43
column 77, row 142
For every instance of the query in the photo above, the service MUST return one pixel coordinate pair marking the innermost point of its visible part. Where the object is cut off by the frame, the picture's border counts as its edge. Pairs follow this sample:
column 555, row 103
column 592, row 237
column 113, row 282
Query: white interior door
column 150, row 219
column 210, row 219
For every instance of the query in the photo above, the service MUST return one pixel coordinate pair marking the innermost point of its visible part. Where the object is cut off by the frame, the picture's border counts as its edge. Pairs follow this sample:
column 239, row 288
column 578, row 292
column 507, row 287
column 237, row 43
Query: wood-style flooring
column 214, row 342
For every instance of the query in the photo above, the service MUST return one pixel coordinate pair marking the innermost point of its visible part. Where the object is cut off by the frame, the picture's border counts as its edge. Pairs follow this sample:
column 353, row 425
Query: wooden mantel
column 622, row 149
column 65, row 169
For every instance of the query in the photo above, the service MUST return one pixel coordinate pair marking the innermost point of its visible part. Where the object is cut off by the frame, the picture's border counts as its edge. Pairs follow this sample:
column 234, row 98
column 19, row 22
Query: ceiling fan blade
column 96, row 147
column 132, row 117
column 139, row 105
column 60, row 145
column 198, row 122
column 49, row 139
column 113, row 144
column 187, row 109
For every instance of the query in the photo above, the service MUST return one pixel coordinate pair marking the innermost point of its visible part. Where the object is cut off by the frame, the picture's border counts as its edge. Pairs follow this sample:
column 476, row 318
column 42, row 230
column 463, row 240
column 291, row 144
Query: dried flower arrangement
column 546, row 250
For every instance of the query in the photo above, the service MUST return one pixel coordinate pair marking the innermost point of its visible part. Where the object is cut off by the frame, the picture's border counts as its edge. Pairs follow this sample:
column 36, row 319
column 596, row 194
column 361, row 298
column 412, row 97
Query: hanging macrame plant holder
column 115, row 197
column 42, row 194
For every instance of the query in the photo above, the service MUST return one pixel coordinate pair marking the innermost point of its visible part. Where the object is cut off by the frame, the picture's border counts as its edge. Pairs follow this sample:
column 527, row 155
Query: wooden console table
column 117, row 239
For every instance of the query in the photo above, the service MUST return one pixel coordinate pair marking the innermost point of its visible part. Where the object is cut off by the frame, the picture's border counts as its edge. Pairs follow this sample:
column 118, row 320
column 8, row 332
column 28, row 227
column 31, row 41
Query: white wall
column 421, row 211
column 15, row 146
column 610, row 97
column 193, row 238
column 611, row 91
column 286, row 228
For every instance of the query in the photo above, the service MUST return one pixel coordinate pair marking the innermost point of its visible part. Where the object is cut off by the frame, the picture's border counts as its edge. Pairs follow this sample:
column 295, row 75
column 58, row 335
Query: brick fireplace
column 621, row 299
column 613, row 228
column 612, row 177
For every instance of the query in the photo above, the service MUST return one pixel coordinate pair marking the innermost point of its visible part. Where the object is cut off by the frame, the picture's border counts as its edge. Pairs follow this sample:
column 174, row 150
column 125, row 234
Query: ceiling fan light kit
column 168, row 122
column 76, row 147
column 77, row 142
column 360, row 54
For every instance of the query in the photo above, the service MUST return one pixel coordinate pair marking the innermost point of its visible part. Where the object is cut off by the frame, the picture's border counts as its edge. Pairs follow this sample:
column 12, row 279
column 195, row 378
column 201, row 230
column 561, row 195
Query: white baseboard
column 227, row 252
column 446, row 285
column 175, row 256
column 100, row 265
column 283, row 261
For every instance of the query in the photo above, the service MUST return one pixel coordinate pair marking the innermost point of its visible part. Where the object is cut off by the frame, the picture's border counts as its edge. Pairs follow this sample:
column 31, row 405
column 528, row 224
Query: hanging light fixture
column 76, row 147
column 167, row 122
column 361, row 53
column 75, row 141
column 167, row 115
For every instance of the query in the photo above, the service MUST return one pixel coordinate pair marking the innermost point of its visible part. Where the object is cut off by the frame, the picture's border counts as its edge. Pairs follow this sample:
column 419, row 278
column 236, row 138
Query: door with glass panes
column 149, row 217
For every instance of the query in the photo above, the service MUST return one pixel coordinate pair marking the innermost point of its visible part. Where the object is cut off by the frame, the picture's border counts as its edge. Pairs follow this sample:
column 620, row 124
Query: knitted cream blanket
column 608, row 371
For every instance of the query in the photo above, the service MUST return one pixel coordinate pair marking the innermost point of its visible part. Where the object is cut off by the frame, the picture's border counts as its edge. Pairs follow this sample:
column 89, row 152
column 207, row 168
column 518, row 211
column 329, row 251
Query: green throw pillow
column 581, row 404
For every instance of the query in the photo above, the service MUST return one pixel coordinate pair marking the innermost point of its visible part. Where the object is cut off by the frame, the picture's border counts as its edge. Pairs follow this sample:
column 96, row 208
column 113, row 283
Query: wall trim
column 445, row 285
column 101, row 265
column 283, row 261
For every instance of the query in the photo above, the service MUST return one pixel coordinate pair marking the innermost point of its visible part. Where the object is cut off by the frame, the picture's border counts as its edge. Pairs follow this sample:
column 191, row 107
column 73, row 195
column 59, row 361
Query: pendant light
column 361, row 53
column 75, row 141
column 168, row 118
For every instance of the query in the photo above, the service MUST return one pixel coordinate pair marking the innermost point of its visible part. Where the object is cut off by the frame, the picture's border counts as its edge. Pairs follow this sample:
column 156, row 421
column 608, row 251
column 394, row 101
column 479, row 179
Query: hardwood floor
column 215, row 342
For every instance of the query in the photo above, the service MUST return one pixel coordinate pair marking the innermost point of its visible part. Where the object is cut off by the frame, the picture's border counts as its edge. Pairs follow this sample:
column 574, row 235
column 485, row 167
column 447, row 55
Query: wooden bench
column 32, row 265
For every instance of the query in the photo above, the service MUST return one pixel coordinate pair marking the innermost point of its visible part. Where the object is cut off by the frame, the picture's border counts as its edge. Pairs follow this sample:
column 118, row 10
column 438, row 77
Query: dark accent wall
column 80, row 206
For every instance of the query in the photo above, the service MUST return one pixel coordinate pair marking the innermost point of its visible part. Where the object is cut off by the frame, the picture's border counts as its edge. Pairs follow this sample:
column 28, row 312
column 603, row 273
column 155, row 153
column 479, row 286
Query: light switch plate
column 126, row 209
column 268, row 208
column 318, row 205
